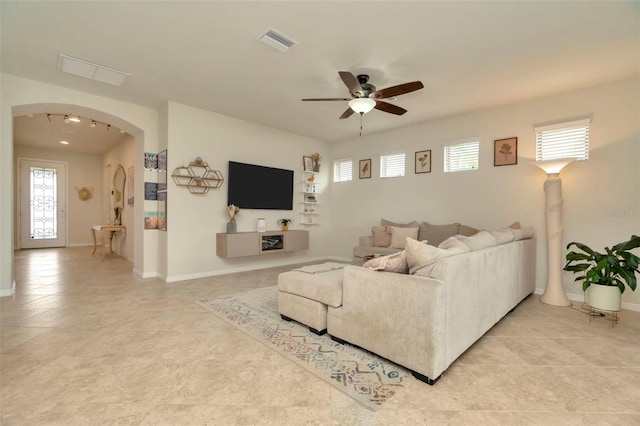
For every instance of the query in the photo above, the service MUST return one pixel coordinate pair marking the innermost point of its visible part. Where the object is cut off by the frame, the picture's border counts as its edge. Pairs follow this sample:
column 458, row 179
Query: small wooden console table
column 107, row 232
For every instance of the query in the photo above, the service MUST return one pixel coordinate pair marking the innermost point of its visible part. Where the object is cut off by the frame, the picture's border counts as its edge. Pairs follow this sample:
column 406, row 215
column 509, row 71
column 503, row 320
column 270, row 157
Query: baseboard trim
column 9, row 291
column 233, row 270
column 580, row 298
column 141, row 274
column 80, row 245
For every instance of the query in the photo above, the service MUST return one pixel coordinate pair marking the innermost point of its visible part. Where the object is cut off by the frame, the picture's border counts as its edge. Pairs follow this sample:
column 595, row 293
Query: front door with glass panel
column 42, row 204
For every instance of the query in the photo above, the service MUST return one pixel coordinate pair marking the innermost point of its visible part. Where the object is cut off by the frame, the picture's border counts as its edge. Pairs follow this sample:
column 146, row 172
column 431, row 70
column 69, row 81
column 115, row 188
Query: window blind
column 342, row 170
column 392, row 165
column 462, row 156
column 563, row 140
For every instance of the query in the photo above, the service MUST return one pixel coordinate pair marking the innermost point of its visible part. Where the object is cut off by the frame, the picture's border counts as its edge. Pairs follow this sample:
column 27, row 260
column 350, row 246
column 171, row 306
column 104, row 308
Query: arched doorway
column 137, row 134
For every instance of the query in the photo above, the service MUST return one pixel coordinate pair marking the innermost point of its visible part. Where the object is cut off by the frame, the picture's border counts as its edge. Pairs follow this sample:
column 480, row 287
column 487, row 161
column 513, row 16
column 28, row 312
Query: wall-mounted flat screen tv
column 258, row 187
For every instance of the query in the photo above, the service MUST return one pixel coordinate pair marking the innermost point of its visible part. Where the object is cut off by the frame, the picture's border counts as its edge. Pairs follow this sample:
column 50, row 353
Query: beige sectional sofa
column 424, row 321
column 381, row 241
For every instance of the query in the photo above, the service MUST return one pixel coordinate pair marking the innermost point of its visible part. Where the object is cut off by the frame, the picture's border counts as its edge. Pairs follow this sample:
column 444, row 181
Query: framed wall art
column 162, row 170
column 423, row 161
column 364, row 171
column 162, row 211
column 505, row 152
column 307, row 163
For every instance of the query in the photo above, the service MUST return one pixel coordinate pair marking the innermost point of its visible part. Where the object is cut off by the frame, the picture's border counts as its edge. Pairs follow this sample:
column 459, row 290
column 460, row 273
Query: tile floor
column 84, row 342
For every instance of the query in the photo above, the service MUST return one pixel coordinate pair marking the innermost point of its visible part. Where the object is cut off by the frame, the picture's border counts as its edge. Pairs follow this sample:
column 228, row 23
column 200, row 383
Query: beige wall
column 122, row 154
column 83, row 170
column 20, row 96
column 601, row 195
column 193, row 220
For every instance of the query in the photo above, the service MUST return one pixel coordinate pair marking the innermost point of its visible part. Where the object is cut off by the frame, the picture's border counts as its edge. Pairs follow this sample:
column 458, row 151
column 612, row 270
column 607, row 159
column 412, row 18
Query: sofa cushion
column 381, row 236
column 435, row 234
column 479, row 241
column 467, row 230
column 453, row 246
column 399, row 236
column 385, row 222
column 503, row 236
column 420, row 254
column 523, row 233
column 396, row 262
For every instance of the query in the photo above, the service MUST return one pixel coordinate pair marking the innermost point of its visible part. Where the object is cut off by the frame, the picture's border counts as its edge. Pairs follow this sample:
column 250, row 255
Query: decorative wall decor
column 130, row 185
column 150, row 161
column 162, row 170
column 151, row 220
column 84, row 193
column 364, row 170
column 150, row 191
column 423, row 161
column 162, row 211
column 505, row 152
column 198, row 177
column 307, row 163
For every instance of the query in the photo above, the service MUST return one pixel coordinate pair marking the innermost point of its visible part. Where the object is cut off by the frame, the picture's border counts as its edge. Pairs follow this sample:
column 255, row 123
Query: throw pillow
column 479, row 241
column 452, row 246
column 503, row 236
column 399, row 236
column 467, row 230
column 420, row 255
column 381, row 236
column 523, row 233
column 515, row 225
column 396, row 262
column 436, row 234
column 385, row 222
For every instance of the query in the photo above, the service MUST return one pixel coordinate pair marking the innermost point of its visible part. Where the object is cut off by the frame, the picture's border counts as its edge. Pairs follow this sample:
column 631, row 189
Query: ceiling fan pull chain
column 361, row 115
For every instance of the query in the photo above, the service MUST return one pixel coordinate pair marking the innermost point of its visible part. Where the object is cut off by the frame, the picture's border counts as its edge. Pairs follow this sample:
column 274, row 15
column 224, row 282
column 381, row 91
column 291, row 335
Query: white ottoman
column 304, row 297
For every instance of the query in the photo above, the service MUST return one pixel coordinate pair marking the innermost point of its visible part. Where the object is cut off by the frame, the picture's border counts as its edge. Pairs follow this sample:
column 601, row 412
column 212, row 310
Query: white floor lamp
column 554, row 293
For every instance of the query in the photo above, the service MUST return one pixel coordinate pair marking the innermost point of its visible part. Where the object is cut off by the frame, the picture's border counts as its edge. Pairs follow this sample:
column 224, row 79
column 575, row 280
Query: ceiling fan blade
column 387, row 107
column 347, row 113
column 351, row 82
column 326, row 99
column 400, row 89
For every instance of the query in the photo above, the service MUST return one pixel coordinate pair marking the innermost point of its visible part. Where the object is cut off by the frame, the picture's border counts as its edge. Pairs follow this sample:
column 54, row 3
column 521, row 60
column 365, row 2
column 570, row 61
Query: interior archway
column 138, row 134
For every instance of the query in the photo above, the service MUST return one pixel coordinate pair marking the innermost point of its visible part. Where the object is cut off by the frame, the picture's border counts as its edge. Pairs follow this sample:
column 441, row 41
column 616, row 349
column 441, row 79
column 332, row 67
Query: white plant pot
column 603, row 297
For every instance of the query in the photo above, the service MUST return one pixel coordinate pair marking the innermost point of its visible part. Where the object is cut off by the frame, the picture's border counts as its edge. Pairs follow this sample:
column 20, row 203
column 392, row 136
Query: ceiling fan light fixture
column 362, row 105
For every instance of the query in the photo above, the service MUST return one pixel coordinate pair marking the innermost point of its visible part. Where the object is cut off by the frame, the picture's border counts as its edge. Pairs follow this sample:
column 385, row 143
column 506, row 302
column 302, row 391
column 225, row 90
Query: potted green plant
column 604, row 275
column 284, row 223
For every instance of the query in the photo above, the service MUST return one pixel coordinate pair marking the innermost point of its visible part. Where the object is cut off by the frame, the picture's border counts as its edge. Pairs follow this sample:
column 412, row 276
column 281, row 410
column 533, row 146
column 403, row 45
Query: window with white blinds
column 391, row 165
column 462, row 156
column 563, row 140
column 342, row 170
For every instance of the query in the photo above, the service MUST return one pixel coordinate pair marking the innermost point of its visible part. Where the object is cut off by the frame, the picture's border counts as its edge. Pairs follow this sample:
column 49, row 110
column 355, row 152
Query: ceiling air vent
column 90, row 70
column 277, row 40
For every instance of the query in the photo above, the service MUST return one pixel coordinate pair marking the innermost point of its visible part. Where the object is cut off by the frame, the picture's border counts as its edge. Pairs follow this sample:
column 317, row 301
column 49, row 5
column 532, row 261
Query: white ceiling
column 40, row 131
column 469, row 55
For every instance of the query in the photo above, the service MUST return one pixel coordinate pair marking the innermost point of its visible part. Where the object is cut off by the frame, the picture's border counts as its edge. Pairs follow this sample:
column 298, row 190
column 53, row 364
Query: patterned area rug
column 368, row 379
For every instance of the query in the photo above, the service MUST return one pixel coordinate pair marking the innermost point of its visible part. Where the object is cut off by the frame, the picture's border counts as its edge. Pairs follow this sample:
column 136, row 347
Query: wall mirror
column 119, row 179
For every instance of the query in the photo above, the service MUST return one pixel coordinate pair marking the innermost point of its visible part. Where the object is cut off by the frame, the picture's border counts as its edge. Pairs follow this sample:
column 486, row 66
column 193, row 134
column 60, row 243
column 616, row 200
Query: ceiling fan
column 365, row 97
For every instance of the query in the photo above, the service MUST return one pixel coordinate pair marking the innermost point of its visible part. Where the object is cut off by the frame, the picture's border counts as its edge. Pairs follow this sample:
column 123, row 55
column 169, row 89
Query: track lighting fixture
column 76, row 119
column 68, row 119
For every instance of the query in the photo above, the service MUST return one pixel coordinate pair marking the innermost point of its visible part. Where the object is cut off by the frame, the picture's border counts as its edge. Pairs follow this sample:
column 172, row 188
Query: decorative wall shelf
column 309, row 199
column 197, row 177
